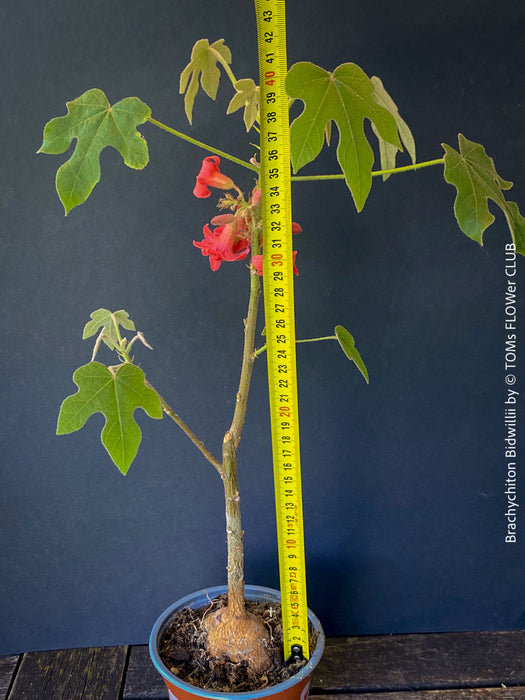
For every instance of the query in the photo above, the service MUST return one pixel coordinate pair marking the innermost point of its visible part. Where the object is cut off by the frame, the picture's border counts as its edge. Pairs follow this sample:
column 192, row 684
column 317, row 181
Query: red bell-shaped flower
column 211, row 176
column 223, row 243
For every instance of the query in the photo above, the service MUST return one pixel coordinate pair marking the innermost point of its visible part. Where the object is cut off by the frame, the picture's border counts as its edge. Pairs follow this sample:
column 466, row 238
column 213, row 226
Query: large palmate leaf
column 95, row 124
column 346, row 97
column 116, row 394
column 247, row 96
column 473, row 174
column 347, row 343
column 203, row 65
column 108, row 321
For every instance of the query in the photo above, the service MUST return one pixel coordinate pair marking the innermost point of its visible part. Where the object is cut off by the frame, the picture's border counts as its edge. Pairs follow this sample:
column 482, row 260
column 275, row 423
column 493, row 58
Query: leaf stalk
column 375, row 173
column 224, row 64
column 262, row 349
column 204, row 146
column 182, row 425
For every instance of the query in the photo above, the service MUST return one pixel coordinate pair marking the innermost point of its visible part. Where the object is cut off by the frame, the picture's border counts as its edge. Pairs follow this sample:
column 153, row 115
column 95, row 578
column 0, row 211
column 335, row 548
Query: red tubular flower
column 211, row 176
column 257, row 261
column 223, row 243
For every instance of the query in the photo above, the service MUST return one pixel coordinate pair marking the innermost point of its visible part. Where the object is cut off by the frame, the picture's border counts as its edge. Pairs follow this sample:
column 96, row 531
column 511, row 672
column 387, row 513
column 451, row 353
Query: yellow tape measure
column 280, row 321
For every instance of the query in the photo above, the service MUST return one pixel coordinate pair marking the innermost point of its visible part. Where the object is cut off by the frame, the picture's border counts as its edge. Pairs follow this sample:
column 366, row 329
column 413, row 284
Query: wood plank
column 143, row 681
column 517, row 693
column 458, row 666
column 421, row 662
column 71, row 674
column 8, row 666
column 462, row 665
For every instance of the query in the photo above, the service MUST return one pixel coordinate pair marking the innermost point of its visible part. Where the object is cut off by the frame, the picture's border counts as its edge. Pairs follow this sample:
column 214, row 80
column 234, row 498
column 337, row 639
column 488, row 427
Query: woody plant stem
column 230, row 445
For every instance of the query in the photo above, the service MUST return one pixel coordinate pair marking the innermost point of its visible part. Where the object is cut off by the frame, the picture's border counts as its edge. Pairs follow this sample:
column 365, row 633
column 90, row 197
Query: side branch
column 182, row 425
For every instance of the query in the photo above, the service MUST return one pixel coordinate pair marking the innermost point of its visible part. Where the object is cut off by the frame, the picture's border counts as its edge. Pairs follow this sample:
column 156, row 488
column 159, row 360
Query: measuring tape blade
column 280, row 321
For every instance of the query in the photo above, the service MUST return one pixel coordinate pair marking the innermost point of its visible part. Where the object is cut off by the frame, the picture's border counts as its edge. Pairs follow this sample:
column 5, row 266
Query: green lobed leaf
column 473, row 174
column 346, row 97
column 203, row 66
column 387, row 151
column 247, row 96
column 115, row 394
column 347, row 343
column 108, row 321
column 95, row 124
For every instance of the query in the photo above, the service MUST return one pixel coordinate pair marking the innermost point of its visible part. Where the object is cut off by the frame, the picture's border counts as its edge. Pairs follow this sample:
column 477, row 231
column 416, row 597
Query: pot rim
column 200, row 597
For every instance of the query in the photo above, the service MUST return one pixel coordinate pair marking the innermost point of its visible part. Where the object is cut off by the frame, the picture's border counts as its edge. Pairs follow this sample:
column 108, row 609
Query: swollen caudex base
column 240, row 638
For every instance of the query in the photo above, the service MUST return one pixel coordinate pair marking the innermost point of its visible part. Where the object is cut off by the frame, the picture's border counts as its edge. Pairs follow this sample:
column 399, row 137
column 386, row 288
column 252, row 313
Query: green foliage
column 109, row 322
column 473, row 174
column 203, row 65
column 347, row 343
column 247, row 96
column 116, row 393
column 387, row 151
column 348, row 97
column 95, row 124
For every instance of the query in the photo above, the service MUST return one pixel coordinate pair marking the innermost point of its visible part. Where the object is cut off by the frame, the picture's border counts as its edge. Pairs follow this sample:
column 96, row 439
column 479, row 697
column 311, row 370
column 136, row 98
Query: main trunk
column 232, row 632
column 230, row 445
column 234, row 532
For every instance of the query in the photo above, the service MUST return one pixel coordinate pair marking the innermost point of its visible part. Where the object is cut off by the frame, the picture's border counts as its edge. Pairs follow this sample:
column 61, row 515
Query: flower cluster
column 234, row 234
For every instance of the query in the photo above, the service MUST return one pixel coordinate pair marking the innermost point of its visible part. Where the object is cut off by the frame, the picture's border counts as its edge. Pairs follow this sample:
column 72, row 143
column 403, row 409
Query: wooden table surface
column 398, row 667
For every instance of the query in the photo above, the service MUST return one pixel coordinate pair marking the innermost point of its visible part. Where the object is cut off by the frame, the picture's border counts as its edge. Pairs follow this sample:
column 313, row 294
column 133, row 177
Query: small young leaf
column 387, row 151
column 95, row 124
column 203, row 64
column 247, row 96
column 116, row 395
column 345, row 96
column 108, row 320
column 347, row 343
column 474, row 176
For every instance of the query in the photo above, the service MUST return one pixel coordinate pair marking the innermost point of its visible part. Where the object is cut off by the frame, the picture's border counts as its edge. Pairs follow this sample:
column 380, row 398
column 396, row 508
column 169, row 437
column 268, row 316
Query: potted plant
column 232, row 636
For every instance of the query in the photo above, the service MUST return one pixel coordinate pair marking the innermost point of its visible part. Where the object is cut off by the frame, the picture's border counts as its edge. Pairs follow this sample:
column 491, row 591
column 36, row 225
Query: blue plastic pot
column 295, row 688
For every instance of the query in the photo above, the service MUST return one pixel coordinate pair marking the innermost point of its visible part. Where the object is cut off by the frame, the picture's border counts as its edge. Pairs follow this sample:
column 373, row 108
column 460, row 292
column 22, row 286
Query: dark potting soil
column 183, row 651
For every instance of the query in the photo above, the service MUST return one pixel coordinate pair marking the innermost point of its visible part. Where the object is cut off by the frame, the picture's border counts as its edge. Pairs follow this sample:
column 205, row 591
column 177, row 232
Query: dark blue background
column 404, row 479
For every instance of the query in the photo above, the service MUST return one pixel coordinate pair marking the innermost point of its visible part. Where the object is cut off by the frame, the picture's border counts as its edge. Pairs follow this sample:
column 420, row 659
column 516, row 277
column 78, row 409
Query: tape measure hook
column 296, row 656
